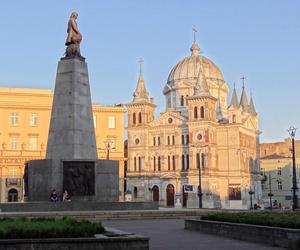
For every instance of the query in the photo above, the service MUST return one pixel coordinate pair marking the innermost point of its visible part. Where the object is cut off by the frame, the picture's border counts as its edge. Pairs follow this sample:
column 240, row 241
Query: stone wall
column 275, row 236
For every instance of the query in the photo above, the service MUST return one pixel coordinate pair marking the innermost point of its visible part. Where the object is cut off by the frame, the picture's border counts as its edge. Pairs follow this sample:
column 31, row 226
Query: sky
column 259, row 39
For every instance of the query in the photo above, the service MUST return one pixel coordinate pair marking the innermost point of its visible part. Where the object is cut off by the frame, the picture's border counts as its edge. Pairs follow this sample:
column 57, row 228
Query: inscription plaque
column 79, row 177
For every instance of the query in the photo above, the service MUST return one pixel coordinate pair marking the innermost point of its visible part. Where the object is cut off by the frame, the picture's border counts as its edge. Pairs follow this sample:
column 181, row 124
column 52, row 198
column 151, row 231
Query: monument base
column 85, row 180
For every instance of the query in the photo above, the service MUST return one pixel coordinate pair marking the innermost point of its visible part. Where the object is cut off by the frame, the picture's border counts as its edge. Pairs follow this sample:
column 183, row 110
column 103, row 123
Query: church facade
column 199, row 152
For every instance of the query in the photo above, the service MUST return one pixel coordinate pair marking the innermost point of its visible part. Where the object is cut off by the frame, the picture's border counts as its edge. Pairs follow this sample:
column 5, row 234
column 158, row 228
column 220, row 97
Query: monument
column 71, row 159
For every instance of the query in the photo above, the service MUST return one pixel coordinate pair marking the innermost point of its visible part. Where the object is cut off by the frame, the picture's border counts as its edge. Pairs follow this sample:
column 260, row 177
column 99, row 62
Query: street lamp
column 251, row 192
column 200, row 181
column 292, row 132
column 108, row 148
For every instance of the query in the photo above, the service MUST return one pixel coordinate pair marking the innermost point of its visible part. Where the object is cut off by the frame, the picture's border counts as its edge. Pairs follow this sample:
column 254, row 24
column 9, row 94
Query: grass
column 286, row 220
column 23, row 228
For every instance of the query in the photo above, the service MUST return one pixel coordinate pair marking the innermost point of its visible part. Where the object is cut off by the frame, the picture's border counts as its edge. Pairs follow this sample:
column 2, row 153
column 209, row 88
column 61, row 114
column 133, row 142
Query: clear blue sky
column 259, row 39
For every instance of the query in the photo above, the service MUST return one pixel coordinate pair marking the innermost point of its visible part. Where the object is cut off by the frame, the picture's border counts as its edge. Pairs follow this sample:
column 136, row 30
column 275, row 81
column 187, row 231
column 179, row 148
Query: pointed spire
column 252, row 110
column 244, row 100
column 140, row 94
column 201, row 87
column 234, row 99
column 195, row 47
column 219, row 113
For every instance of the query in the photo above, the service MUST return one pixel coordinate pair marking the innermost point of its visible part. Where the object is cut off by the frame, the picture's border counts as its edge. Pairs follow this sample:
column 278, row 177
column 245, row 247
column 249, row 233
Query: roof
column 274, row 156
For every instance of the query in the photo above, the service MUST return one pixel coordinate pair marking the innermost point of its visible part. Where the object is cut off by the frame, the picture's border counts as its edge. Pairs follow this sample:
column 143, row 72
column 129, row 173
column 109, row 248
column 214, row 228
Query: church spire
column 140, row 94
column 201, row 87
column 244, row 100
column 234, row 99
column 219, row 108
column 195, row 47
column 252, row 110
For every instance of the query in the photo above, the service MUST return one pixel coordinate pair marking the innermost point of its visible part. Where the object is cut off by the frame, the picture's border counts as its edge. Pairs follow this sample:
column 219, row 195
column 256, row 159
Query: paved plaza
column 170, row 234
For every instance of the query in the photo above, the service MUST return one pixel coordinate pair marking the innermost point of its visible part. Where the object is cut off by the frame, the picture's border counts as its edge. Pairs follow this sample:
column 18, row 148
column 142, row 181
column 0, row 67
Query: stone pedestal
column 85, row 180
column 71, row 160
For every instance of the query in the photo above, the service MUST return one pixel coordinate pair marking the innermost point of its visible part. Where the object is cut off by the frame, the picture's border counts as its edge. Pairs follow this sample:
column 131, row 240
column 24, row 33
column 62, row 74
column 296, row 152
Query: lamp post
column 270, row 189
column 200, row 182
column 251, row 192
column 292, row 132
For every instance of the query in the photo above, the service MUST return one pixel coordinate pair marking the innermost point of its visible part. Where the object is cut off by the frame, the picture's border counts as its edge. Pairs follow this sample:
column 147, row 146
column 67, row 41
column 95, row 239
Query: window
column 187, row 161
column 33, row 142
column 13, row 171
column 111, row 122
column 233, row 119
column 140, row 164
column 14, row 143
column 187, row 139
column 154, row 163
column 279, row 171
column 140, row 117
column 173, row 139
column 14, row 119
column 33, row 119
column 202, row 112
column 169, row 163
column 134, row 118
column 182, row 162
column 234, row 192
column 168, row 140
column 134, row 163
column 182, row 101
column 182, row 139
column 158, row 140
column 174, row 162
column 159, row 163
column 95, row 121
column 195, row 112
column 203, row 162
column 154, row 141
column 279, row 184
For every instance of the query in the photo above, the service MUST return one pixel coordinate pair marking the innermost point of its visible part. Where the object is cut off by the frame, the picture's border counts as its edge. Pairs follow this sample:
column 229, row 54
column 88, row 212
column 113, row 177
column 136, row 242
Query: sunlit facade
column 199, row 138
column 25, row 116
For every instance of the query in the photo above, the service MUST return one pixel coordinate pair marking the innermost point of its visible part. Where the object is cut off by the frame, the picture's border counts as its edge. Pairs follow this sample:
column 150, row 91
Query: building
column 198, row 141
column 277, row 169
column 25, row 116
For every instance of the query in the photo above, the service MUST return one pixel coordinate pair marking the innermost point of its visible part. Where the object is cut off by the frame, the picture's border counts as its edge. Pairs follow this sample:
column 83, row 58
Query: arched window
column 202, row 112
column 168, row 140
column 159, row 164
column 154, row 163
column 203, row 163
column 158, row 140
column 187, row 162
column 182, row 101
column 198, row 160
column 140, row 164
column 187, row 139
column 173, row 139
column 134, row 118
column 195, row 112
column 182, row 162
column 234, row 119
column 134, row 163
column 182, row 139
column 174, row 162
column 169, row 163
column 154, row 141
column 140, row 117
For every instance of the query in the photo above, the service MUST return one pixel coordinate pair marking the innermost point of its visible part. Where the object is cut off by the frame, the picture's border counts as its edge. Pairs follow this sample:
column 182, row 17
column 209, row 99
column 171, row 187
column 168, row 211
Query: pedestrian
column 66, row 196
column 53, row 196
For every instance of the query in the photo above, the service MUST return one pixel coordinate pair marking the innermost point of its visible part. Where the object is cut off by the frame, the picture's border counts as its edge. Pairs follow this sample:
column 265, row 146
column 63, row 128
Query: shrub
column 286, row 220
column 22, row 228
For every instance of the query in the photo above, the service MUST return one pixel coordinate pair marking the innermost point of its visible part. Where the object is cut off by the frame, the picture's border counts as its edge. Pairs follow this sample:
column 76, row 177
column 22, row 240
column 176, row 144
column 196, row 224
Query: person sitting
column 66, row 196
column 53, row 196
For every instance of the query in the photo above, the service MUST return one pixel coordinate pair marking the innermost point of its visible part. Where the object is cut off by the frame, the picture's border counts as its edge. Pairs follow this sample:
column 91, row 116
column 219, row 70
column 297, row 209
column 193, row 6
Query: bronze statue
column 74, row 37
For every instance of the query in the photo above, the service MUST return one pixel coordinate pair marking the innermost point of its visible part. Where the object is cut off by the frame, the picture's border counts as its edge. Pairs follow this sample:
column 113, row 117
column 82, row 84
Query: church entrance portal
column 155, row 193
column 170, row 195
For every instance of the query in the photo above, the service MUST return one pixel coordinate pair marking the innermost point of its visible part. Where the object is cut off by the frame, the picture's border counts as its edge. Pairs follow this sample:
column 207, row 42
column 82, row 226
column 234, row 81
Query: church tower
column 140, row 114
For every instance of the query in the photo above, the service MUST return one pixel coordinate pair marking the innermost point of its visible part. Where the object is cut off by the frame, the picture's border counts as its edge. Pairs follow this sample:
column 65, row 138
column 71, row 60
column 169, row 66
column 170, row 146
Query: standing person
column 53, row 196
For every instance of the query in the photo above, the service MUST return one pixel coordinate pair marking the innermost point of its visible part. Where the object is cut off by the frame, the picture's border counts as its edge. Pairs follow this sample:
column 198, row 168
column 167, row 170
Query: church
column 201, row 151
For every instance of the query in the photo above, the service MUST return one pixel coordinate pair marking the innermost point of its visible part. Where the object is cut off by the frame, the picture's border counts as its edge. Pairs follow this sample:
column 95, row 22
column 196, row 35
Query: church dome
column 188, row 68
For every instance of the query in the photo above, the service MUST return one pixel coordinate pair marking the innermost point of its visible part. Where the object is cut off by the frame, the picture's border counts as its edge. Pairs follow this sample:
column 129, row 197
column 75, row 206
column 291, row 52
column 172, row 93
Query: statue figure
column 74, row 37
